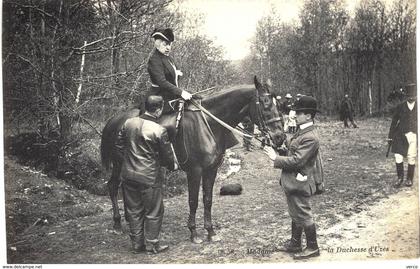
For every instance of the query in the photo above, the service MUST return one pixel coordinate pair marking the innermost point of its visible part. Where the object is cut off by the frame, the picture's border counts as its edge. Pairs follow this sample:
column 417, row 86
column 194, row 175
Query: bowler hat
column 306, row 103
column 164, row 34
column 288, row 95
column 411, row 90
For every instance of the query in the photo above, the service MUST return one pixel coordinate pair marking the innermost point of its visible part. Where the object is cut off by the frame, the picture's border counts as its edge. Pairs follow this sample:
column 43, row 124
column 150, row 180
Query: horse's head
column 264, row 113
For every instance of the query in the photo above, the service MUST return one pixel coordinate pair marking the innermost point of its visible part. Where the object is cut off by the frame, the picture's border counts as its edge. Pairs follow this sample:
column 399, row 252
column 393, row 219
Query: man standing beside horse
column 302, row 176
column 145, row 148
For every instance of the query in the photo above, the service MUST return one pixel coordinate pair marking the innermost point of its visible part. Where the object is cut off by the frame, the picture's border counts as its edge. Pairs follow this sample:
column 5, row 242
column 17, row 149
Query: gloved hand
column 186, row 95
column 271, row 153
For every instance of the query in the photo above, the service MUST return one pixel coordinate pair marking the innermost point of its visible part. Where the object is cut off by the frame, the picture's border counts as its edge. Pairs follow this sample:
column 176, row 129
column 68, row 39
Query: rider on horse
column 164, row 77
column 163, row 71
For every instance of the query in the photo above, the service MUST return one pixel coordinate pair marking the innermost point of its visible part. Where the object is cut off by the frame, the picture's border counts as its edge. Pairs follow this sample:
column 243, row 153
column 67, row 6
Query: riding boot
column 137, row 243
column 293, row 245
column 312, row 249
column 156, row 248
column 400, row 174
column 410, row 175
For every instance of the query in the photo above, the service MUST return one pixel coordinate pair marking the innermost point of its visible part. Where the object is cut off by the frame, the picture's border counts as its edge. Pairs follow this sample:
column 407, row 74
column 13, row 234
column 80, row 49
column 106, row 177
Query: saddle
column 172, row 120
column 193, row 133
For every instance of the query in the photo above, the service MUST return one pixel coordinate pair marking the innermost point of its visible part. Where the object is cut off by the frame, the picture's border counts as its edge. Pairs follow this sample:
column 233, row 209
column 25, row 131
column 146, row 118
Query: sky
column 232, row 23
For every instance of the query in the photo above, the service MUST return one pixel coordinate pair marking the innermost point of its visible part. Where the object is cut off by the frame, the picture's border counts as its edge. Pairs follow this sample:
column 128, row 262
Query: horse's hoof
column 214, row 238
column 196, row 240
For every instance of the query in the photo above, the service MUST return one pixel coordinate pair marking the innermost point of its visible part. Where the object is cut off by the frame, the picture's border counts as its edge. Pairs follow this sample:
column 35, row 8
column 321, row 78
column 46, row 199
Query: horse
column 231, row 106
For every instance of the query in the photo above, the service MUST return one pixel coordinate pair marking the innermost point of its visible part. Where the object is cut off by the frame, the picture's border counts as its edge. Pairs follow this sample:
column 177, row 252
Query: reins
column 262, row 122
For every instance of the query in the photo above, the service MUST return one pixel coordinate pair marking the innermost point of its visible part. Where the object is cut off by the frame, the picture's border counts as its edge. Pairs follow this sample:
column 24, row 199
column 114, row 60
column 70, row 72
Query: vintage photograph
column 209, row 132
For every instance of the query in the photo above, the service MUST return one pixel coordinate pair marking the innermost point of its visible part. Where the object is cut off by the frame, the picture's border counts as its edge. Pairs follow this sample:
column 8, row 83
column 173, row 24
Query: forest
column 69, row 65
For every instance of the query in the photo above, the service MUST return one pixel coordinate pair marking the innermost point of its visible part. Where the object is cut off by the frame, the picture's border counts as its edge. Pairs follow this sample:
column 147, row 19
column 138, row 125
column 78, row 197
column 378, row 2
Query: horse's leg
column 209, row 177
column 113, row 185
column 194, row 178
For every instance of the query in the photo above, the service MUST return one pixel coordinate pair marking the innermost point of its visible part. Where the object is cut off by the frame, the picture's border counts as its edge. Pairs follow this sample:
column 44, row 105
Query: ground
column 359, row 217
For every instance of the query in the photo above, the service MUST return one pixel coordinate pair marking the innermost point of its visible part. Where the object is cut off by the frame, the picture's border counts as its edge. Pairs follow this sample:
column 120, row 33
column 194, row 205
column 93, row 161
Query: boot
column 410, row 175
column 400, row 175
column 156, row 248
column 293, row 245
column 137, row 244
column 312, row 249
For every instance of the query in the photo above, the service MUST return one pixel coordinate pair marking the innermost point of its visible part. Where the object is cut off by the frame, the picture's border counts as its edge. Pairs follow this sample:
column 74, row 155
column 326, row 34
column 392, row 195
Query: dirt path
column 359, row 210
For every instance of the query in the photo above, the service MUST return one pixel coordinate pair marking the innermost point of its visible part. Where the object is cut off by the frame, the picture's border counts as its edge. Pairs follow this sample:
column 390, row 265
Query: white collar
column 411, row 105
column 306, row 125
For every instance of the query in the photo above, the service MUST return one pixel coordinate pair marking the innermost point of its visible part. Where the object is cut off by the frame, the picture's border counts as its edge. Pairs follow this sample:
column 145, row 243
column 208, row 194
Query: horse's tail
column 107, row 141
column 109, row 136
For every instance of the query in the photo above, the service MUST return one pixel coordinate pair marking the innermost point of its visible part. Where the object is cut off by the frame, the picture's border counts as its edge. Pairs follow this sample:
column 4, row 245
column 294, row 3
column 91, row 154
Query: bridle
column 264, row 103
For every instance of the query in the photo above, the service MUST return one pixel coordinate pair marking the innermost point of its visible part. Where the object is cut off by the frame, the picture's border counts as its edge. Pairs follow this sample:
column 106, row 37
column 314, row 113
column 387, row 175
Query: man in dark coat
column 146, row 149
column 347, row 111
column 301, row 177
column 162, row 70
column 403, row 136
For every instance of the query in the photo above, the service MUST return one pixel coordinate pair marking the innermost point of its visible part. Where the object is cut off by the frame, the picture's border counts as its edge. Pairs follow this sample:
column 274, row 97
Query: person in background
column 146, row 149
column 249, row 128
column 286, row 106
column 278, row 104
column 347, row 111
column 301, row 177
column 403, row 136
column 292, row 122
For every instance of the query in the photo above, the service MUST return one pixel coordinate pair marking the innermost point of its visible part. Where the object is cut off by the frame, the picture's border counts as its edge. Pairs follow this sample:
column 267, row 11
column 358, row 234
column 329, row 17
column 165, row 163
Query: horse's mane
column 230, row 92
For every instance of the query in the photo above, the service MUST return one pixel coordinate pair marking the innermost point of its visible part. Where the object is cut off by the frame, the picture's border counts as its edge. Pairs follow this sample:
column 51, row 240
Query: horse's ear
column 257, row 83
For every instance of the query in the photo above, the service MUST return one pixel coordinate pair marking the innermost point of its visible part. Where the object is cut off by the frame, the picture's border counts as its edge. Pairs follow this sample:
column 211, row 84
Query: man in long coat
column 403, row 136
column 347, row 111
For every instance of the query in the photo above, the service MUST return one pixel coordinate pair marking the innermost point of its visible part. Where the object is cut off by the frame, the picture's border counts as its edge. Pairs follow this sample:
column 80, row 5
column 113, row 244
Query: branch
column 90, row 124
column 95, row 42
column 40, row 11
column 117, row 12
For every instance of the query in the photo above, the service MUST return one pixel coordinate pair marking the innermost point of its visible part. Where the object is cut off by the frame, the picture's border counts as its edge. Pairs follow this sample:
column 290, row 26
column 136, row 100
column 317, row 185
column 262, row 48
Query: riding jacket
column 164, row 77
column 145, row 148
column 302, row 167
column 404, row 121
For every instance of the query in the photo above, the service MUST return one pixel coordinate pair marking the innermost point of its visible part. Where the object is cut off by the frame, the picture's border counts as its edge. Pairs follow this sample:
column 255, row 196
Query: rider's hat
column 411, row 90
column 164, row 34
column 288, row 95
column 306, row 103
